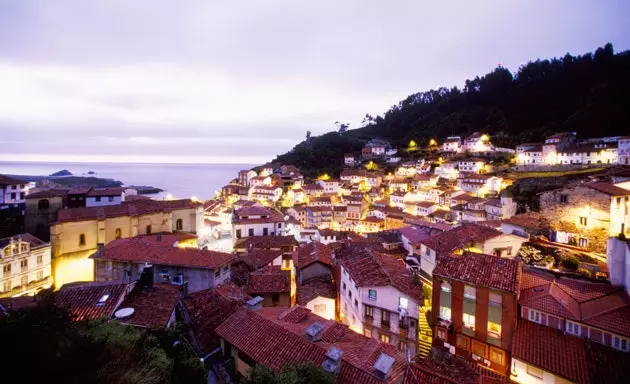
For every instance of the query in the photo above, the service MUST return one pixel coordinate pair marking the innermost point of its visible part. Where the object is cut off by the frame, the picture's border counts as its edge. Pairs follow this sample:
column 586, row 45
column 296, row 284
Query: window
column 385, row 317
column 118, row 233
column 217, row 273
column 402, row 346
column 279, row 225
column 495, row 299
column 479, row 349
column 583, row 221
column 225, row 269
column 238, row 234
column 103, row 299
column 367, row 332
column 179, row 225
column 6, row 269
column 43, row 204
column 349, row 294
column 534, row 316
column 344, row 286
column 441, row 334
column 384, row 338
column 40, row 275
column 445, row 301
column 23, row 247
column 356, row 303
column 564, row 199
column 369, row 311
column 535, row 372
column 275, row 299
column 573, row 328
column 250, row 232
column 372, row 294
column 470, row 292
column 620, row 343
column 497, row 356
column 403, row 302
column 463, row 342
column 148, row 229
column 469, row 320
column 13, row 195
column 265, row 231
column 40, row 259
column 23, row 264
column 97, row 199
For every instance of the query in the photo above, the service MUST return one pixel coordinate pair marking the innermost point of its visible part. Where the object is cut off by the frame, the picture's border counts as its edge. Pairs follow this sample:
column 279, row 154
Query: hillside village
column 413, row 265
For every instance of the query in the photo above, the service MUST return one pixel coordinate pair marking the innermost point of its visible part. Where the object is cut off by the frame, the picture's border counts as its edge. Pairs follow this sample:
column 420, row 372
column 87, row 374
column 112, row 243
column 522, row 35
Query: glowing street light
column 432, row 142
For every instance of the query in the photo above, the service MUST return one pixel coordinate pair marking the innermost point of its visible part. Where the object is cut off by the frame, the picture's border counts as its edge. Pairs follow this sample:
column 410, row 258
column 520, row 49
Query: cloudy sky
column 241, row 81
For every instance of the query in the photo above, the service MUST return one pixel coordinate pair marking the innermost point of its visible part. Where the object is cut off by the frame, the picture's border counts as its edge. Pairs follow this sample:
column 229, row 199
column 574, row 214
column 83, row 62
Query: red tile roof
column 549, row 298
column 82, row 299
column 132, row 208
column 143, row 250
column 273, row 342
column 47, row 193
column 608, row 188
column 116, row 191
column 258, row 258
column 208, row 309
column 605, row 365
column 266, row 242
column 153, row 307
column 370, row 268
column 459, row 237
column 551, row 350
column 269, row 280
column 479, row 269
column 609, row 312
column 257, row 215
column 414, row 234
column 311, row 253
column 7, row 180
column 314, row 288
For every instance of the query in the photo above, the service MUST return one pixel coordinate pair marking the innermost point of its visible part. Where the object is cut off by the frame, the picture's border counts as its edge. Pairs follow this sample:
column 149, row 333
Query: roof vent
column 383, row 366
column 332, row 363
column 314, row 332
column 124, row 313
column 255, row 304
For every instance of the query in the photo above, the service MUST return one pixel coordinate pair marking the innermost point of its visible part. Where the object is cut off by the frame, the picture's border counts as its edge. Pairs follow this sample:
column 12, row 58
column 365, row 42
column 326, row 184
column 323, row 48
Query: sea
column 179, row 180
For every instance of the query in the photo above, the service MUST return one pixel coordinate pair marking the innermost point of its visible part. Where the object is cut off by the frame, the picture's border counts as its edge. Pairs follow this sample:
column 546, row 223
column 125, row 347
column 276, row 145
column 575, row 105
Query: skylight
column 103, row 299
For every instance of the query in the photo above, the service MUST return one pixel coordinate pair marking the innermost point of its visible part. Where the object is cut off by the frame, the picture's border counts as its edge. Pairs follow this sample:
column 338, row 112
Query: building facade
column 25, row 265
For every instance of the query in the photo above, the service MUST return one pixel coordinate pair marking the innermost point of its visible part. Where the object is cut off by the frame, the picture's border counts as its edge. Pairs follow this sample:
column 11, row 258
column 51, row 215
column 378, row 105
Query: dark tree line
column 588, row 94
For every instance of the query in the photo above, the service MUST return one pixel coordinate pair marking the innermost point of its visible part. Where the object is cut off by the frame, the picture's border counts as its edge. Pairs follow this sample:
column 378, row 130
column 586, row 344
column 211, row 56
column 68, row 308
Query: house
column 319, row 216
column 420, row 208
column 12, row 191
column 468, row 237
column 77, row 197
column 296, row 196
column 371, row 224
column 474, row 308
column 245, row 176
column 41, row 209
column 290, row 176
column 553, row 144
column 286, row 244
column 588, row 153
column 265, row 193
column 412, row 235
column 126, row 258
column 205, row 310
column 399, row 184
column 379, row 297
column 78, row 231
column 452, row 144
column 353, row 176
column 150, row 306
column 623, row 150
column 375, row 147
column 480, row 185
column 312, row 270
column 529, row 154
column 526, row 225
column 587, row 214
column 421, row 181
column 26, row 265
column 447, row 170
column 313, row 190
column 406, row 169
column 397, row 199
column 478, row 142
column 373, row 180
column 93, row 300
column 104, row 196
column 274, row 337
column 394, row 218
column 322, row 201
column 594, row 311
column 259, row 181
column 257, row 220
column 272, row 284
column 471, row 165
column 349, row 159
column 298, row 212
column 329, row 186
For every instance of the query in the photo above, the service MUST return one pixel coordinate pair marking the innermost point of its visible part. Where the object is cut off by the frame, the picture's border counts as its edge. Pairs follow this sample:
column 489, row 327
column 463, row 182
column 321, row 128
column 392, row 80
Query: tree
column 342, row 127
column 305, row 373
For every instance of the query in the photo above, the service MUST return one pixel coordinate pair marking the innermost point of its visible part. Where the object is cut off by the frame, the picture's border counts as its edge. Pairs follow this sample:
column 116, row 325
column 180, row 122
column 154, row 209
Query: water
column 180, row 180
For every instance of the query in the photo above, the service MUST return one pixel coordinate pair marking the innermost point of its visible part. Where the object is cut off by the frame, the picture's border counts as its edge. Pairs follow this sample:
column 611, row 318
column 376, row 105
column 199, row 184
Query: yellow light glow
column 485, row 137
column 412, row 144
column 194, row 198
column 432, row 142
column 169, row 196
column 325, row 176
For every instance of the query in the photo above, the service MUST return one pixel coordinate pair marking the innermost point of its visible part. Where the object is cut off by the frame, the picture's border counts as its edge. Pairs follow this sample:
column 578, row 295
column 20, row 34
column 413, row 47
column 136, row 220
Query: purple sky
column 229, row 81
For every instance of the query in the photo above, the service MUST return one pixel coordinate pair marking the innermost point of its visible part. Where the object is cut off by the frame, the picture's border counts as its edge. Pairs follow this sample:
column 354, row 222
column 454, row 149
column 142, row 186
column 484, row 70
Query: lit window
column 494, row 330
column 445, row 313
column 469, row 320
column 583, row 221
column 367, row 332
column 470, row 292
column 497, row 356
column 384, row 338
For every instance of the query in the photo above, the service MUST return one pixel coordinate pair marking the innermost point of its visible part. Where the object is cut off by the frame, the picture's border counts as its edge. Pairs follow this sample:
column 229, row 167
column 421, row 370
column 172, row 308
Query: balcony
column 16, row 291
column 403, row 329
column 385, row 324
column 368, row 320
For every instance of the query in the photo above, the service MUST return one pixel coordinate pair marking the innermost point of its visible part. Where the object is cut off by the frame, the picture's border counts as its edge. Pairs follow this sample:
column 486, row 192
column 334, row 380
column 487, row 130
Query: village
column 412, row 265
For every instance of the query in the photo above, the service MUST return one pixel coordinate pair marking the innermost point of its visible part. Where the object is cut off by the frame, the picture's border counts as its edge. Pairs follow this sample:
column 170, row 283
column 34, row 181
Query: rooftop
column 153, row 307
column 314, row 288
column 482, row 270
column 8, row 180
column 270, row 279
column 92, row 300
column 134, row 208
column 33, row 241
column 459, row 237
column 313, row 252
column 265, row 242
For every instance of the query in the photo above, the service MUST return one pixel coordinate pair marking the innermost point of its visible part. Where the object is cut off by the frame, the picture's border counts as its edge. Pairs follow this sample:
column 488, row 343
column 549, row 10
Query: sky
column 242, row 81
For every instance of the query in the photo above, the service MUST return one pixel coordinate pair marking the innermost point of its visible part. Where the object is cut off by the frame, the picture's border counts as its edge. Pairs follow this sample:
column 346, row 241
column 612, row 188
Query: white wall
column 427, row 262
column 520, row 367
column 328, row 313
column 618, row 260
column 388, row 297
column 504, row 241
column 90, row 201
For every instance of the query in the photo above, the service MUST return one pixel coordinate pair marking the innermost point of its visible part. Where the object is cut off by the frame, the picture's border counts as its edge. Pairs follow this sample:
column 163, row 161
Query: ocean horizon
column 178, row 179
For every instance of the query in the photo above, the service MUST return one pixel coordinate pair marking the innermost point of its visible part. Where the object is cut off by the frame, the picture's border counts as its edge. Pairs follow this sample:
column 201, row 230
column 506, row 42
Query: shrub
column 584, row 272
column 571, row 263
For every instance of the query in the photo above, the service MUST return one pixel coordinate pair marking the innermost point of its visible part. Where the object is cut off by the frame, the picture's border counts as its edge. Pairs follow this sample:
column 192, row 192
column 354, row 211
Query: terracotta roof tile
column 458, row 237
column 313, row 252
column 47, row 193
column 146, row 250
column 133, row 208
column 153, row 307
column 551, row 350
column 269, row 280
column 258, row 258
column 83, row 300
column 549, row 298
column 270, row 341
column 417, row 233
column 266, row 242
column 608, row 188
column 479, row 269
column 8, row 180
column 605, row 365
column 314, row 288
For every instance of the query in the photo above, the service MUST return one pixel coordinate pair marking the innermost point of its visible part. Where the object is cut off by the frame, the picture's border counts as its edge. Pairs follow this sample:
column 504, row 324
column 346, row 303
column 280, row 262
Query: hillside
column 588, row 94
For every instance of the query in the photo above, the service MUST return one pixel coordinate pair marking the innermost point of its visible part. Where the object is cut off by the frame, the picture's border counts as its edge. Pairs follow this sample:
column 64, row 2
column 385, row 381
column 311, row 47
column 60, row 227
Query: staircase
column 425, row 334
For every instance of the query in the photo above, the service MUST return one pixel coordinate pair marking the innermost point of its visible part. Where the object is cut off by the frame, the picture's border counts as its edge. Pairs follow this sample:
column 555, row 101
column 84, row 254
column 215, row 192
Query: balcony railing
column 25, row 288
column 385, row 324
column 368, row 319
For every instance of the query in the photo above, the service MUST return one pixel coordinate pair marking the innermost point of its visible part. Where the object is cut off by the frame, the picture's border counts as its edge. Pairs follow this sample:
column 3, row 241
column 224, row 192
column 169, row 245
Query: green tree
column 306, row 373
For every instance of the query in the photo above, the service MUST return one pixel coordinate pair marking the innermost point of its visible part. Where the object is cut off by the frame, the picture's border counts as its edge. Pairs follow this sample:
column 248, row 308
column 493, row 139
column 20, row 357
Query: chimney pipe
column 159, row 237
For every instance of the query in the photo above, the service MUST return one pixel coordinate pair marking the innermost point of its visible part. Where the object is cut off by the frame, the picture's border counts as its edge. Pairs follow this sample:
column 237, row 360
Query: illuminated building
column 452, row 144
column 25, row 265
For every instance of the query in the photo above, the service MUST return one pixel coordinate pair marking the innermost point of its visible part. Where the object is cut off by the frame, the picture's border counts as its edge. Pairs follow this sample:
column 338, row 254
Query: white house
column 12, row 191
column 478, row 142
column 26, row 265
column 329, row 186
column 349, row 160
column 481, row 185
column 256, row 220
column 447, row 170
column 452, row 144
column 473, row 165
column 379, row 297
column 420, row 208
column 265, row 193
column 105, row 196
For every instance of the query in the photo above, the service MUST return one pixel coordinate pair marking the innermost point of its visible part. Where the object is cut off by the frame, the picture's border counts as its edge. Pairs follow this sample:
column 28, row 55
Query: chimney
column 158, row 237
column 314, row 332
column 185, row 289
column 146, row 277
column 383, row 366
column 255, row 304
column 332, row 363
column 100, row 247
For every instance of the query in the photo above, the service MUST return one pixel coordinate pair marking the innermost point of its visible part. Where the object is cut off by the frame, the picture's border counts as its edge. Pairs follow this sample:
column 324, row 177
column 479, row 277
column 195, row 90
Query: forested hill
column 588, row 94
